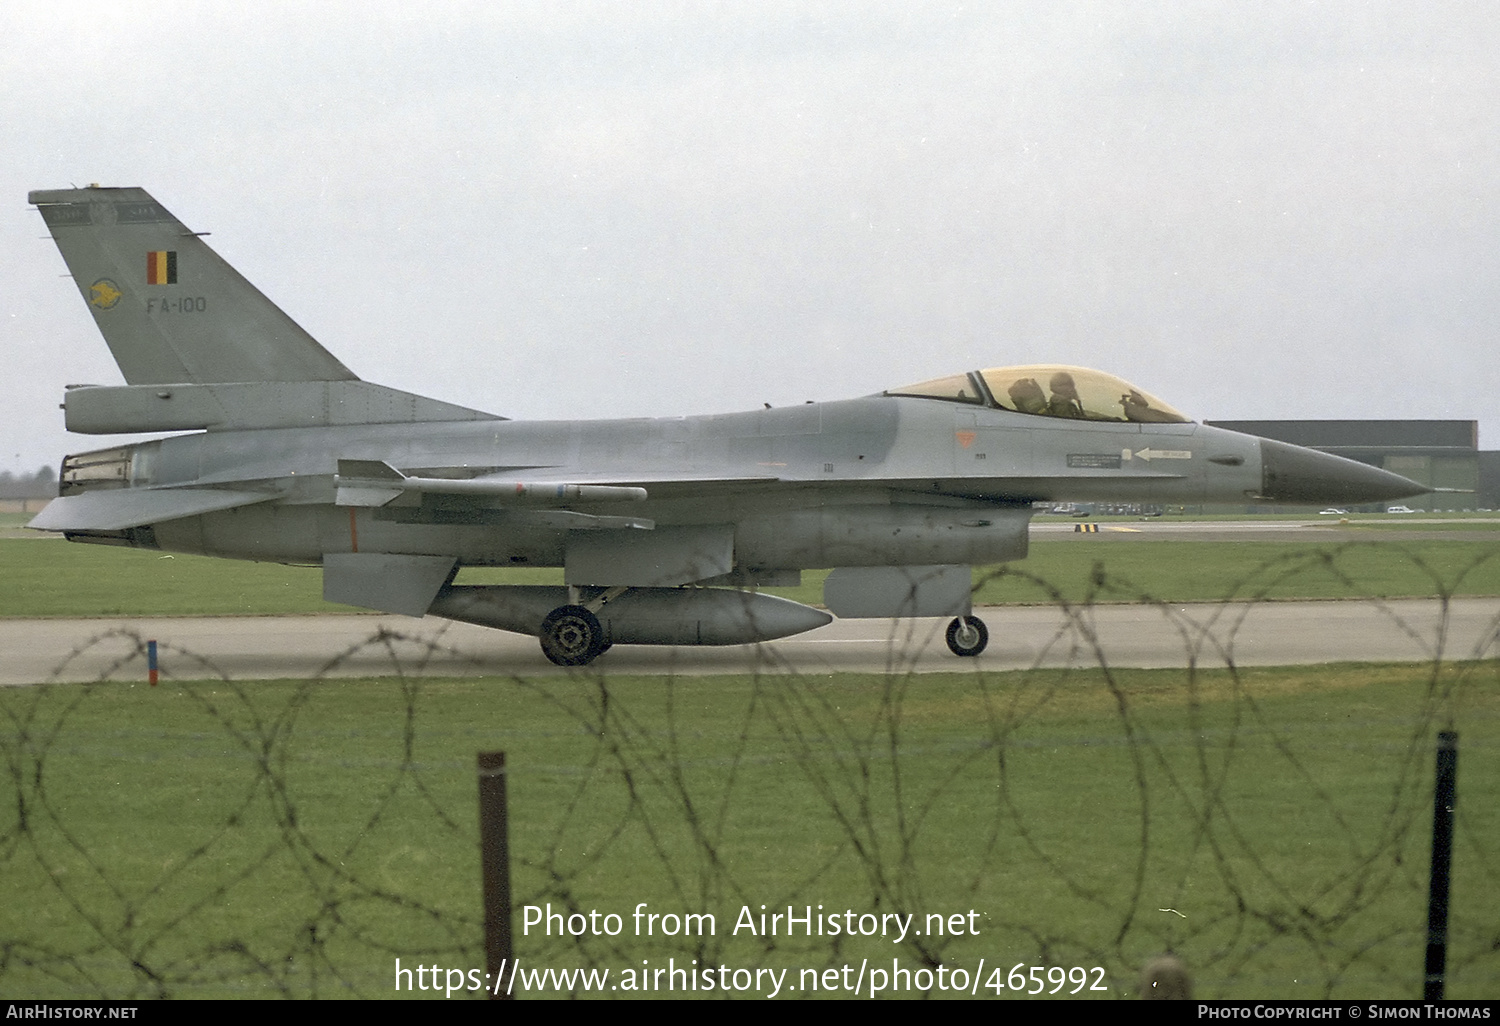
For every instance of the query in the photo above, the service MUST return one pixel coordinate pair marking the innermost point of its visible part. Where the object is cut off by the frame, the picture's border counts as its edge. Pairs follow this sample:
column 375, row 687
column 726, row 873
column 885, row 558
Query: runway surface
column 1273, row 633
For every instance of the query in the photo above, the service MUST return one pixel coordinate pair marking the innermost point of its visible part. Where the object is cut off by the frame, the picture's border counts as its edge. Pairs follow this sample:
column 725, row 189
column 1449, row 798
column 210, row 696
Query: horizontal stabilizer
column 105, row 410
column 114, row 509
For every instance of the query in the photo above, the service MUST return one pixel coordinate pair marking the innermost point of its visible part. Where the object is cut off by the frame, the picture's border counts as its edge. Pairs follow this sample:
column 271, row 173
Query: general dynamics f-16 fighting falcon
column 663, row 527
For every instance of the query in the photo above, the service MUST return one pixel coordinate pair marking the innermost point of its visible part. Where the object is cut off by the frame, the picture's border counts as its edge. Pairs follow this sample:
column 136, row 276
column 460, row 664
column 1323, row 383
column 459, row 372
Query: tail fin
column 171, row 310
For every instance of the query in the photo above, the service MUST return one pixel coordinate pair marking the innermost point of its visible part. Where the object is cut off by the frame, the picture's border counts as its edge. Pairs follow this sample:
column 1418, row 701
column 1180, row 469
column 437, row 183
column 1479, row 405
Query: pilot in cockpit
column 1026, row 396
column 1064, row 401
column 1139, row 411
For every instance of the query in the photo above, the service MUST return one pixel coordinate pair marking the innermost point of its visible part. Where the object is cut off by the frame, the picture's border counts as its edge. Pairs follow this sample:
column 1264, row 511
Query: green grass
column 49, row 578
column 265, row 838
column 53, row 578
column 1471, row 525
column 1192, row 571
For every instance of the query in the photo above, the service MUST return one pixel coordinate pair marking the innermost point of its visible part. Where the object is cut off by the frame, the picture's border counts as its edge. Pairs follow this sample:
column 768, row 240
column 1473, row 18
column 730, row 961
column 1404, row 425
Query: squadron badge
column 104, row 294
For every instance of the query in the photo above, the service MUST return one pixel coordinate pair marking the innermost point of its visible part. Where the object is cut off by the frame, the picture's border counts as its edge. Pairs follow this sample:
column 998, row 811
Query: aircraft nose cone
column 1290, row 473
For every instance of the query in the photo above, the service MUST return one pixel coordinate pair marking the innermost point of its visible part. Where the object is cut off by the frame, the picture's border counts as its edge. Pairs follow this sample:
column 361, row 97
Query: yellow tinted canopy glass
column 959, row 388
column 1076, row 393
column 1049, row 390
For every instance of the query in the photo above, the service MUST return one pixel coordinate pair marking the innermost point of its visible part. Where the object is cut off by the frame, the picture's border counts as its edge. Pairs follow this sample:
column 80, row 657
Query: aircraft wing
column 115, row 509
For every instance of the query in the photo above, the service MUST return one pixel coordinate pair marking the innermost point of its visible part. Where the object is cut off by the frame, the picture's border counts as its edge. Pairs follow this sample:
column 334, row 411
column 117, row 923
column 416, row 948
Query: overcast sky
column 557, row 210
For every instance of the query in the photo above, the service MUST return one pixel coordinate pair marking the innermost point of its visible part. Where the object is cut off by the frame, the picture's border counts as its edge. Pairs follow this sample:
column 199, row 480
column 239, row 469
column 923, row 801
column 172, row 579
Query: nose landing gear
column 967, row 636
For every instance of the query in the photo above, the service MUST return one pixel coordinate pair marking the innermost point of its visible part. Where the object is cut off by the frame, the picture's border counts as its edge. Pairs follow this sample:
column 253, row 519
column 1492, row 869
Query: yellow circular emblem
column 104, row 294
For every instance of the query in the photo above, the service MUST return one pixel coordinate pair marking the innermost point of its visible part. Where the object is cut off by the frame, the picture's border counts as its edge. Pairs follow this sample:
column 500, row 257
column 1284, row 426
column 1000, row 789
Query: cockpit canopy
column 1047, row 390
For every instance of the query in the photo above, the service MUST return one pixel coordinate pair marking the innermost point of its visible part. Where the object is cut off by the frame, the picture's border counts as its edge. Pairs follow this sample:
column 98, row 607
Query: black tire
column 571, row 636
column 967, row 636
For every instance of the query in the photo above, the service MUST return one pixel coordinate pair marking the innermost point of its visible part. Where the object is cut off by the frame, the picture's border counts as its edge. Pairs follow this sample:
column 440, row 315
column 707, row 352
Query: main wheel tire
column 967, row 636
column 571, row 636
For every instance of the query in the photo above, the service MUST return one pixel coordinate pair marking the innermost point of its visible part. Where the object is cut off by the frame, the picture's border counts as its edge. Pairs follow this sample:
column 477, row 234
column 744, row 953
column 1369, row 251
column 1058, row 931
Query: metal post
column 1444, row 795
column 494, row 859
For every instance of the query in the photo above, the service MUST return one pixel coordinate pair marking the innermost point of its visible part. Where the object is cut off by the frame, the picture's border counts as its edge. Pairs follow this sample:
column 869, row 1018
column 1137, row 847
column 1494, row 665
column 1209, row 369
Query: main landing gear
column 967, row 636
column 572, row 636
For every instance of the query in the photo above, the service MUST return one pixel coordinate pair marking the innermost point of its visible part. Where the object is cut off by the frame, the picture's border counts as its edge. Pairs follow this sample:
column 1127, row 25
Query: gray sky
column 1276, row 210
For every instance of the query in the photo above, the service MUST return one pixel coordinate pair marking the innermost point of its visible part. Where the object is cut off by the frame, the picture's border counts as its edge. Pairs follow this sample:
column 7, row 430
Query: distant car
column 1399, row 509
column 1333, row 512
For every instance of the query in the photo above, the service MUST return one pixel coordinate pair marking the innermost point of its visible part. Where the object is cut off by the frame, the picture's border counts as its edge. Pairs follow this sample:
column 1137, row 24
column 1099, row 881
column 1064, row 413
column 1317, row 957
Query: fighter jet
column 663, row 528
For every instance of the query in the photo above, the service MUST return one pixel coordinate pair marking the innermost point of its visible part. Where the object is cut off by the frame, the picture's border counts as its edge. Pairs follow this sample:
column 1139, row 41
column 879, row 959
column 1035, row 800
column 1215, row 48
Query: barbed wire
column 904, row 798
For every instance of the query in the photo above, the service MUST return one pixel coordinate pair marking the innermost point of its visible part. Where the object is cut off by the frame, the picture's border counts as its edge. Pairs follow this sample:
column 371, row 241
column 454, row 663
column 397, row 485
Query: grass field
column 50, row 578
column 216, row 839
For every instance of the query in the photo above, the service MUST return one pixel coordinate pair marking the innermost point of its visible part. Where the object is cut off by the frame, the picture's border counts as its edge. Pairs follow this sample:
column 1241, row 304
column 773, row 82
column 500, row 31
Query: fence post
column 1444, row 795
column 494, row 860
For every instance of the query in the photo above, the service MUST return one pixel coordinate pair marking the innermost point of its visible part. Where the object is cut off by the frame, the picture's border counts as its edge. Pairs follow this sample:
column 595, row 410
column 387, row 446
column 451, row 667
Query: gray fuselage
column 825, row 484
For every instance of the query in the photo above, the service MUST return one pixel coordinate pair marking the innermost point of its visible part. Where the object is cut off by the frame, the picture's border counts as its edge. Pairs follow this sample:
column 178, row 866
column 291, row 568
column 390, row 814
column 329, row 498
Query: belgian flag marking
column 161, row 267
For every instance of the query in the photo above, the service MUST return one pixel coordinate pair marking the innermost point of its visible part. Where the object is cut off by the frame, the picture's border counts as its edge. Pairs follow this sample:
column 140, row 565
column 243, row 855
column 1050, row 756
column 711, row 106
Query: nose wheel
column 571, row 636
column 967, row 636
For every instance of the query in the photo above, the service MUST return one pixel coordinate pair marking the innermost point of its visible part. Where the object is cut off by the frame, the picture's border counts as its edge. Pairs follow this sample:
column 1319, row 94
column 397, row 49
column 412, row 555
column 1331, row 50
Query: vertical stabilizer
column 170, row 308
